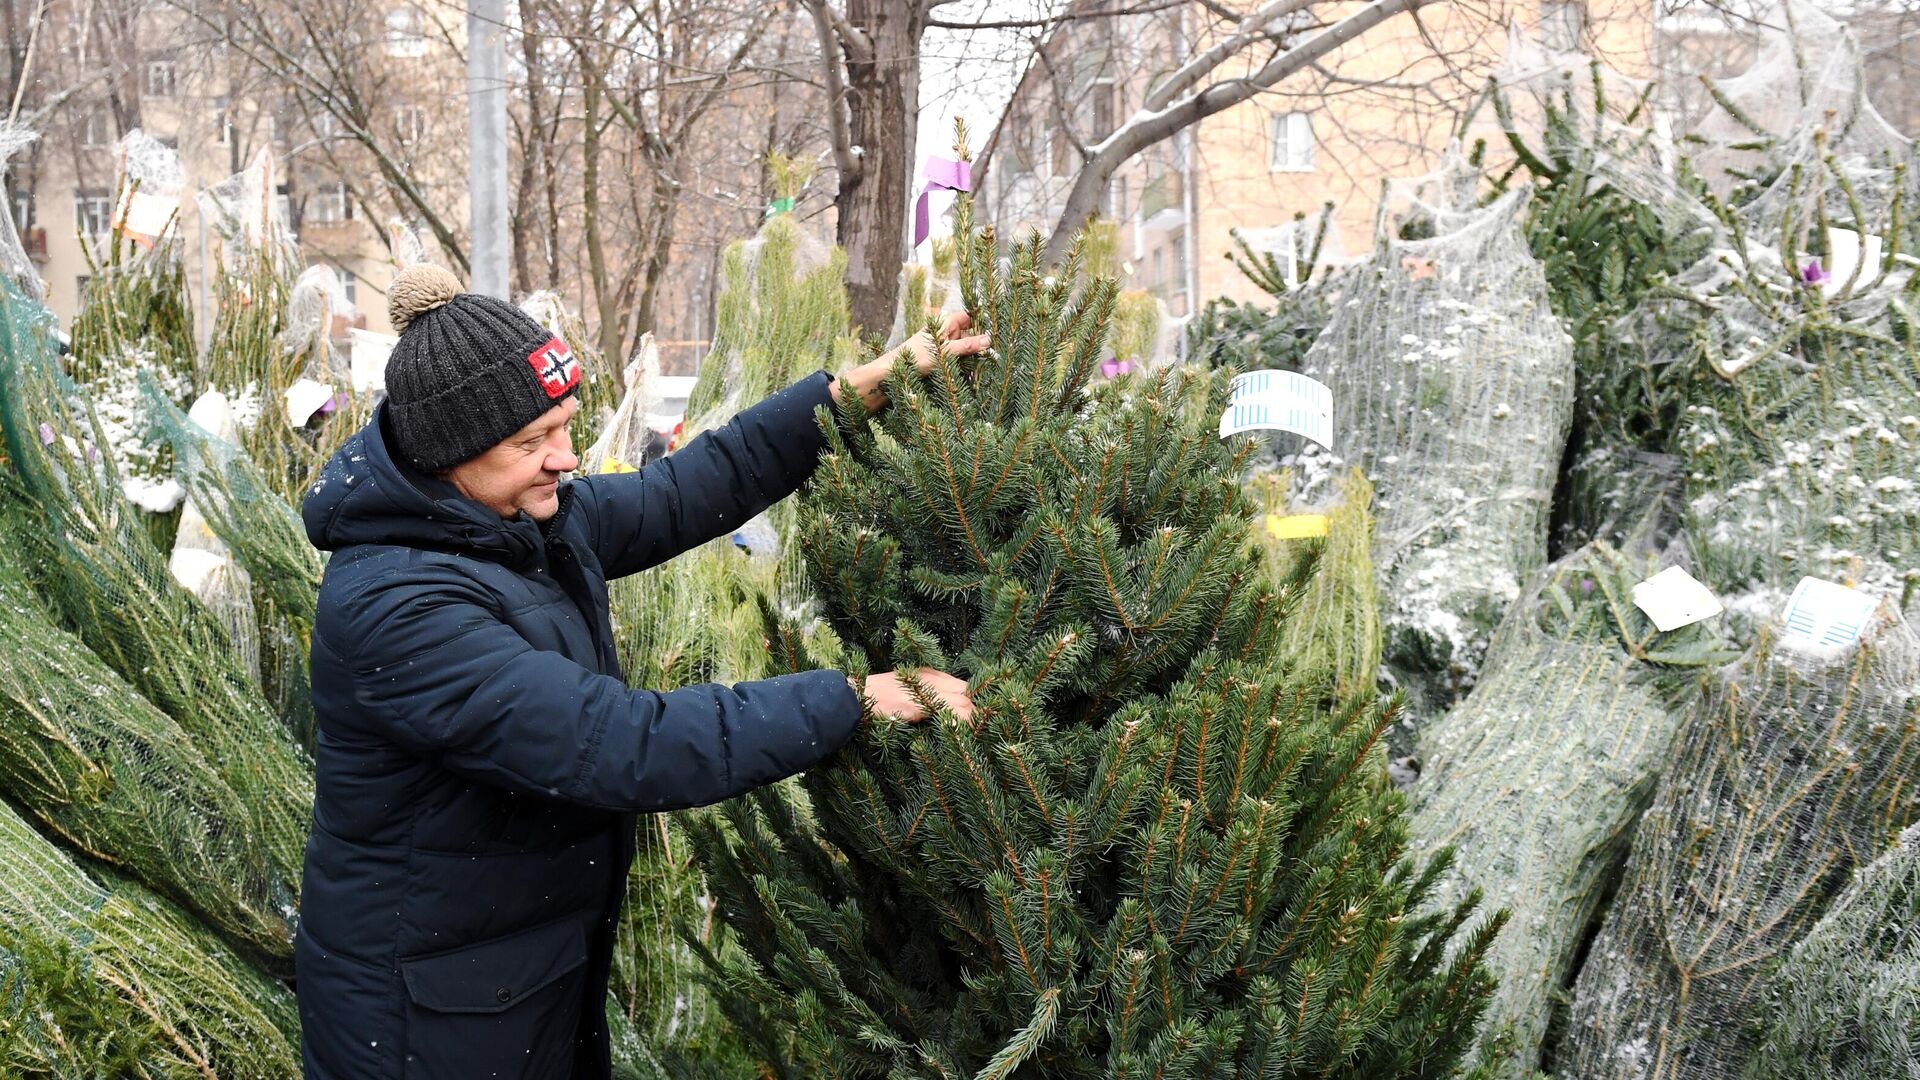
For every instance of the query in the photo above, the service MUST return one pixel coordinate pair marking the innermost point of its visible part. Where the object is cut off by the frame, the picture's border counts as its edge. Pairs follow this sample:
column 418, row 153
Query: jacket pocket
column 492, row 976
column 509, row 1007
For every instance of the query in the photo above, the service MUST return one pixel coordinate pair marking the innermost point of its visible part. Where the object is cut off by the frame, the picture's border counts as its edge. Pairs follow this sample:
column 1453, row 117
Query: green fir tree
column 1155, row 851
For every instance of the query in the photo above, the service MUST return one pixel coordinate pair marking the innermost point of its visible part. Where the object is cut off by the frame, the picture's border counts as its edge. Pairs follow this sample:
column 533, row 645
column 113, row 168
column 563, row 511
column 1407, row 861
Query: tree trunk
column 664, row 202
column 883, row 97
column 525, row 208
column 603, row 302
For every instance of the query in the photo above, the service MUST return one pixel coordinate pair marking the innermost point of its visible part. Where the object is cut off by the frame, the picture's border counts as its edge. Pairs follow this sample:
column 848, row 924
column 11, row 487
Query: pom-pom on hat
column 468, row 370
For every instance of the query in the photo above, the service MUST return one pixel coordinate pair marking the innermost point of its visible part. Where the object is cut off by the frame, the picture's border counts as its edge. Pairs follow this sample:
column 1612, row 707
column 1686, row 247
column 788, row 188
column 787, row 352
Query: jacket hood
column 366, row 496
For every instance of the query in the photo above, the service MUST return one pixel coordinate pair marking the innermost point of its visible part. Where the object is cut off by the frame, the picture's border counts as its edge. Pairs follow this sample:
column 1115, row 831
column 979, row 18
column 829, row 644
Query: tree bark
column 604, row 304
column 664, row 202
column 883, row 105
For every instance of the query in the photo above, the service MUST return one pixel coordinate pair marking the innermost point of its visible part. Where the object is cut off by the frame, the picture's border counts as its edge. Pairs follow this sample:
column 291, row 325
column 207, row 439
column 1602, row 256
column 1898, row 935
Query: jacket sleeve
column 442, row 675
column 708, row 488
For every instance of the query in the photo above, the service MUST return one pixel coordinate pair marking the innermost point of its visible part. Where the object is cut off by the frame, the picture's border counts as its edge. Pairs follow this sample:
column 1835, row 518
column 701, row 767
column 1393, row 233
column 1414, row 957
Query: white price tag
column 1824, row 616
column 1673, row 599
column 1846, row 249
column 142, row 214
column 368, row 359
column 1280, row 400
column 304, row 398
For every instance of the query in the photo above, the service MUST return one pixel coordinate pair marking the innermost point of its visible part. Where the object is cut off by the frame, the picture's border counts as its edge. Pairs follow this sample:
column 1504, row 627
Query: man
column 479, row 757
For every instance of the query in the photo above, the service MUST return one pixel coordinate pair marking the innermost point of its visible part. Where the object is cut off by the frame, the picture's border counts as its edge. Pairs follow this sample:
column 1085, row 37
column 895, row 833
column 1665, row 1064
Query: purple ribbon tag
column 46, row 434
column 944, row 174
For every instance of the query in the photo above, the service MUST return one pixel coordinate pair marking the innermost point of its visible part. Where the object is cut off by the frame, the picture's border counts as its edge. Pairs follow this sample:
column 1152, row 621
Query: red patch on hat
column 553, row 362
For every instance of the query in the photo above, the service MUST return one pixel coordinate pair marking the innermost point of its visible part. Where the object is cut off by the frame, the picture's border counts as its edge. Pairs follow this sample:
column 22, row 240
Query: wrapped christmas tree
column 700, row 618
column 1537, row 778
column 112, row 586
column 1150, row 853
column 1294, row 264
column 1794, row 769
column 1452, row 385
column 1846, row 1000
column 99, row 978
column 112, row 776
column 1334, row 636
column 267, row 547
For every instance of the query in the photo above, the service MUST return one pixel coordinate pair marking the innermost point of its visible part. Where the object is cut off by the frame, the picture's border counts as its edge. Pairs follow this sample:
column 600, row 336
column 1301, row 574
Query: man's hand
column 892, row 698
column 866, row 378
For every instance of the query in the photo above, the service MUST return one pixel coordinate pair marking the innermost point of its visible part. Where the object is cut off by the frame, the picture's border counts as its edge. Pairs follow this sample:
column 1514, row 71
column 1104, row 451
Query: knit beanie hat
column 468, row 370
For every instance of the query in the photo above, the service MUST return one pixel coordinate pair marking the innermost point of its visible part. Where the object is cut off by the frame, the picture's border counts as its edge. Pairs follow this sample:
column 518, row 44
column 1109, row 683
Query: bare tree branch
column 832, row 62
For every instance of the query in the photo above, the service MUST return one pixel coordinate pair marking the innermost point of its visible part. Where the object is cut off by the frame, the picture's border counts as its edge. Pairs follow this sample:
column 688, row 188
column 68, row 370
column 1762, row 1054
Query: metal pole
column 487, row 146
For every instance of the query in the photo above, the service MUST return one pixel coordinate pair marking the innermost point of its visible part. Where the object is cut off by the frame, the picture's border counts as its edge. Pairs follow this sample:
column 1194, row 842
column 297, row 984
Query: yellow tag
column 615, row 465
column 1296, row 526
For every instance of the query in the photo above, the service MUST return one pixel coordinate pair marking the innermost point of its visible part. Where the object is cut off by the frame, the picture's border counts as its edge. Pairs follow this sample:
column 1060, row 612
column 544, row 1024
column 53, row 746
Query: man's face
column 523, row 471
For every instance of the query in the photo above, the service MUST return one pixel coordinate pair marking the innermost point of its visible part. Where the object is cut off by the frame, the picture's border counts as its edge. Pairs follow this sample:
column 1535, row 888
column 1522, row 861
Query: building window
column 222, row 121
column 23, row 210
column 1292, row 135
column 406, row 31
column 283, row 206
column 94, row 129
column 161, row 78
column 1102, row 109
column 324, row 125
column 93, row 212
column 347, row 288
column 410, row 123
column 1562, row 24
column 331, row 205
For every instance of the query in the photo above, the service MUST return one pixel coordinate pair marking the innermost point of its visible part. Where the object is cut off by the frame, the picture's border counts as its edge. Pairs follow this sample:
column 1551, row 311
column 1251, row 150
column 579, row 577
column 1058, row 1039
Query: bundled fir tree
column 1846, row 1001
column 112, row 587
column 1153, row 853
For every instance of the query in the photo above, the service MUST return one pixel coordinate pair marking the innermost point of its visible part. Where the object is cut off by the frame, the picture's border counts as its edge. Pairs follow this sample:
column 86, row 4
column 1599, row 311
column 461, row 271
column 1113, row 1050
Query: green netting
column 1452, row 385
column 1333, row 637
column 117, row 779
column 124, row 977
column 1537, row 777
column 112, row 586
column 1846, row 1000
column 1791, row 772
column 267, row 541
column 782, row 313
column 701, row 617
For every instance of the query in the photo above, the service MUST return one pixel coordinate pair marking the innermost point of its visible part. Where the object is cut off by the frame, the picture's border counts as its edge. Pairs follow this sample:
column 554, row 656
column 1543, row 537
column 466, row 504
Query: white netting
column 14, row 262
column 1806, row 74
column 1536, row 78
column 245, row 209
column 1537, row 777
column 1299, row 246
column 404, row 242
column 627, row 441
column 318, row 313
column 781, row 312
column 200, row 560
column 1453, row 388
column 1790, row 773
column 1800, row 440
column 1846, row 1003
column 151, row 186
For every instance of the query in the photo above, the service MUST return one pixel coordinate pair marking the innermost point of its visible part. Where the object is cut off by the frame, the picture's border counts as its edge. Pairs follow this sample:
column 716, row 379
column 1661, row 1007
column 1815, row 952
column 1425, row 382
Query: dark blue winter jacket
column 480, row 760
